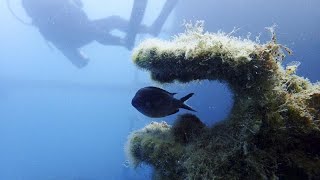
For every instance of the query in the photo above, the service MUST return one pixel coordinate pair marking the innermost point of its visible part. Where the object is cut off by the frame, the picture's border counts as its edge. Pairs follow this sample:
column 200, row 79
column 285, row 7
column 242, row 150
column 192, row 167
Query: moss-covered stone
column 187, row 128
column 273, row 130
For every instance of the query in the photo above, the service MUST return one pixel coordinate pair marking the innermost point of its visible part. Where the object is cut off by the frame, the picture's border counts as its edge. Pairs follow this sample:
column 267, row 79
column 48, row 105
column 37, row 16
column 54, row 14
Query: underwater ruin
column 272, row 131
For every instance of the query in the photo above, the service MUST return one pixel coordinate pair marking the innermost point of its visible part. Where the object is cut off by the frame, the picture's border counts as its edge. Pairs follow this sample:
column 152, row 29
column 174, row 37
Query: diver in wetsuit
column 68, row 28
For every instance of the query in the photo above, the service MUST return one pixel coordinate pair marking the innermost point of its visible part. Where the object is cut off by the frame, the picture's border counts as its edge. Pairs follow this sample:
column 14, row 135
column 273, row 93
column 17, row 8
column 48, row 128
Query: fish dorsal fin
column 159, row 89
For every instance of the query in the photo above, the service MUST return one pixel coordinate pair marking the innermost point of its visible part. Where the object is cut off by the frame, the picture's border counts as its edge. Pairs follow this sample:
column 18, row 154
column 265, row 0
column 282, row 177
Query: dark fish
column 155, row 102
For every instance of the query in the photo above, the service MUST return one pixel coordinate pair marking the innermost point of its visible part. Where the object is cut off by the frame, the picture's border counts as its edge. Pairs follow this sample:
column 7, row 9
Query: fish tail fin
column 188, row 108
column 186, row 97
column 184, row 106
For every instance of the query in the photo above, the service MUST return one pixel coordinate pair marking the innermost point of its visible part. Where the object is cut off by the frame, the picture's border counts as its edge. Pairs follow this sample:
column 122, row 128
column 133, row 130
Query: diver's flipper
column 163, row 16
column 136, row 17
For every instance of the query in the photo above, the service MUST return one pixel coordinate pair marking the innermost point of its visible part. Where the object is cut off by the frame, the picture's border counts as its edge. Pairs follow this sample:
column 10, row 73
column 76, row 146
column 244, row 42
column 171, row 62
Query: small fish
column 155, row 102
column 291, row 67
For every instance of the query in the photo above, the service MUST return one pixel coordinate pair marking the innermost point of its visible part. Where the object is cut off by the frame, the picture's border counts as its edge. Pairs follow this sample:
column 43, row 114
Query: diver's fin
column 163, row 16
column 136, row 17
column 186, row 97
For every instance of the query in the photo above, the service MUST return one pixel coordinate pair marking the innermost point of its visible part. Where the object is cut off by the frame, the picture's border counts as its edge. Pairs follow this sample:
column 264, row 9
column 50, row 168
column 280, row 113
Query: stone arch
column 271, row 111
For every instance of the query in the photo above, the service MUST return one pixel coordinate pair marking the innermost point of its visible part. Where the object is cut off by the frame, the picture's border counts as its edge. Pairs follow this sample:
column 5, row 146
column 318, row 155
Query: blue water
column 58, row 122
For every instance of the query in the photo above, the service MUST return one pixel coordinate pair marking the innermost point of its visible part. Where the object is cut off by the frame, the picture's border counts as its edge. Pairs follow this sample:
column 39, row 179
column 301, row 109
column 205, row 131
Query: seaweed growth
column 272, row 131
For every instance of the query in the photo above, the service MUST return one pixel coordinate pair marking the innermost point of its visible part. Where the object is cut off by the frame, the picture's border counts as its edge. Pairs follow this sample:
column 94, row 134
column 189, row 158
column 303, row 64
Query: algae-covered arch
column 273, row 128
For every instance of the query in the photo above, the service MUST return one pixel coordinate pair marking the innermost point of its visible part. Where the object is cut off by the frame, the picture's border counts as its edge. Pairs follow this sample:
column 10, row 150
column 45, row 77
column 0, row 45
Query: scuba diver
column 68, row 28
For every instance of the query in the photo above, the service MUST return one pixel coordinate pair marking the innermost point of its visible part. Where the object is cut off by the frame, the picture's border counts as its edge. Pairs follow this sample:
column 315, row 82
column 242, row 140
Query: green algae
column 272, row 132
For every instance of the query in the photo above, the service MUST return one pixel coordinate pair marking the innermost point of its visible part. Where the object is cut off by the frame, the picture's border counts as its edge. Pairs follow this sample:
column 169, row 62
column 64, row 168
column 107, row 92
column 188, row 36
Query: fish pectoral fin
column 174, row 112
